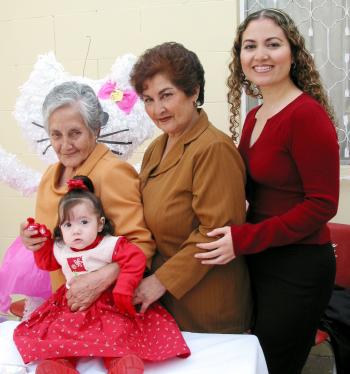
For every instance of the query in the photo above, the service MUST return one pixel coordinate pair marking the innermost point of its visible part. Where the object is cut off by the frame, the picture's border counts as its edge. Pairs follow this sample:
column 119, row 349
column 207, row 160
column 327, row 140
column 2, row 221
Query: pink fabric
column 20, row 275
column 128, row 100
column 106, row 90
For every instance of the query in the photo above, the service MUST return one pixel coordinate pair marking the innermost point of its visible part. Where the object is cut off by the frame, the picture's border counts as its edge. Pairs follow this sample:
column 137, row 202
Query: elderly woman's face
column 70, row 137
column 168, row 106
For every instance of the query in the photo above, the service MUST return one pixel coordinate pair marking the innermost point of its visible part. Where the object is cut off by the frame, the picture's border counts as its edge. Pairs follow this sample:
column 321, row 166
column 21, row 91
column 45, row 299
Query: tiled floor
column 320, row 360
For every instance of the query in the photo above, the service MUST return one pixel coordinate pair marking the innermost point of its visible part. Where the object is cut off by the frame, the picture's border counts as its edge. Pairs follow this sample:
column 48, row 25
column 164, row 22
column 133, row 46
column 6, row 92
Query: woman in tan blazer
column 192, row 180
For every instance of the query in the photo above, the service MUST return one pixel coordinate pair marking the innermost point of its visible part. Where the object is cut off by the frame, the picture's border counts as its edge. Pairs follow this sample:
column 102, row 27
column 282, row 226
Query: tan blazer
column 116, row 184
column 197, row 187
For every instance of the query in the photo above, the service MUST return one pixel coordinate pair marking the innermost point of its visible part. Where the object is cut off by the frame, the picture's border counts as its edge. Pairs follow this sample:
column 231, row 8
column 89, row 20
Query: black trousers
column 291, row 288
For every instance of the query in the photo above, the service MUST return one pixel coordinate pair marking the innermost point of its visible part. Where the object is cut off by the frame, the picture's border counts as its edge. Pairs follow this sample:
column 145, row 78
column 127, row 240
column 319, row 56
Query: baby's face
column 82, row 226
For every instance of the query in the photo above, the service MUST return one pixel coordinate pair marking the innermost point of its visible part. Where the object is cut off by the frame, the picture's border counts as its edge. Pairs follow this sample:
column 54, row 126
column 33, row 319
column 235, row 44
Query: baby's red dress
column 54, row 331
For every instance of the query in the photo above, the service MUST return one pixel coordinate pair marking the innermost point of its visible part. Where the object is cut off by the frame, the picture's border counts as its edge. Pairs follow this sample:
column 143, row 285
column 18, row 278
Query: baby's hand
column 124, row 304
column 42, row 230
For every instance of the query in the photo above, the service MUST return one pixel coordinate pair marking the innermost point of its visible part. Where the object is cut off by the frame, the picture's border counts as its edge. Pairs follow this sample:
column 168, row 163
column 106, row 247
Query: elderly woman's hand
column 149, row 291
column 87, row 288
column 221, row 251
column 33, row 244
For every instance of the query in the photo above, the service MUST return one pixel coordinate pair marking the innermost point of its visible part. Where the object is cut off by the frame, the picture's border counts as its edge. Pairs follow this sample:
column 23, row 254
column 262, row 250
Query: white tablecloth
column 211, row 354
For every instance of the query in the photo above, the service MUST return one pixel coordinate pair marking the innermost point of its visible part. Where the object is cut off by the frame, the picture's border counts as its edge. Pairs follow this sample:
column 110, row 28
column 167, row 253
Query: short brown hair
column 179, row 64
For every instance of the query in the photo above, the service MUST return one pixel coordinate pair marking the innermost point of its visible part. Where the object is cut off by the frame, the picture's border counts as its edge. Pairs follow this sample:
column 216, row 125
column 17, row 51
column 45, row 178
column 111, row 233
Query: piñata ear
column 126, row 124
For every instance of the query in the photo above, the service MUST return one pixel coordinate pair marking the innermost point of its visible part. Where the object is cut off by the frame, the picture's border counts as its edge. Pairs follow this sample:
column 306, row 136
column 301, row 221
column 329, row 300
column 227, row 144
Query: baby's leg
column 129, row 364
column 57, row 366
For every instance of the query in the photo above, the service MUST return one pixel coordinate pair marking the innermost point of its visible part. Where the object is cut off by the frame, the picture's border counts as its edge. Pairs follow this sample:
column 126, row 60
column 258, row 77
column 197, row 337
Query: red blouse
column 293, row 178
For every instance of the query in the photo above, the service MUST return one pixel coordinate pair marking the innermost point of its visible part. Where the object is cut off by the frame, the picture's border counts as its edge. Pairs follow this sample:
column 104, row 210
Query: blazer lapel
column 155, row 166
column 84, row 169
column 89, row 164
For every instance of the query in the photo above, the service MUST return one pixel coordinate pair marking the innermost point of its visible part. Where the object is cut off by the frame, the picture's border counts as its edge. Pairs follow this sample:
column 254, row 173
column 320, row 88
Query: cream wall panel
column 112, row 5
column 18, row 209
column 343, row 214
column 5, row 193
column 119, row 32
column 216, row 73
column 28, row 38
column 110, row 35
column 200, row 26
column 104, row 66
column 18, row 9
column 71, row 36
column 76, row 7
column 26, row 209
column 90, row 68
column 12, row 77
column 11, row 139
column 218, row 115
column 32, row 161
column 4, row 243
column 6, row 43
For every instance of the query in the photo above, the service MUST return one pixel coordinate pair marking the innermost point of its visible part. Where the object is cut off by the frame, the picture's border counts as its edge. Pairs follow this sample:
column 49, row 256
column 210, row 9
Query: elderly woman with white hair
column 73, row 117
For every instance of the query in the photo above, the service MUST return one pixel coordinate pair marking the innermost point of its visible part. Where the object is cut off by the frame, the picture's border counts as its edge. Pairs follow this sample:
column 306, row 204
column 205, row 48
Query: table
column 211, row 354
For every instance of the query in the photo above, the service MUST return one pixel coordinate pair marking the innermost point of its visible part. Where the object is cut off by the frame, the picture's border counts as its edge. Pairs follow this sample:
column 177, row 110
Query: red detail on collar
column 94, row 244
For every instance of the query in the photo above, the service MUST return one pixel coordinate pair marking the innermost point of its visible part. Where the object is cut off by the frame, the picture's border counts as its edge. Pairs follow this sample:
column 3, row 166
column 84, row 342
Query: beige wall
column 343, row 215
column 32, row 27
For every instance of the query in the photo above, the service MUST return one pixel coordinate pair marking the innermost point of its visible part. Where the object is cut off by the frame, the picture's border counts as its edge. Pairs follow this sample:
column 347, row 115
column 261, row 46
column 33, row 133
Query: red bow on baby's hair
column 76, row 184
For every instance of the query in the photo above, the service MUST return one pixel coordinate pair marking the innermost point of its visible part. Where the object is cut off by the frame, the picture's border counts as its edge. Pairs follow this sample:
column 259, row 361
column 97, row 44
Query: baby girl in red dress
column 110, row 328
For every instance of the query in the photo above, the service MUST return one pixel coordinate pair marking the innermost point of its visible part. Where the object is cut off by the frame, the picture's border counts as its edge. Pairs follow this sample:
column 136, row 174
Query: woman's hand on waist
column 220, row 251
column 149, row 291
column 87, row 288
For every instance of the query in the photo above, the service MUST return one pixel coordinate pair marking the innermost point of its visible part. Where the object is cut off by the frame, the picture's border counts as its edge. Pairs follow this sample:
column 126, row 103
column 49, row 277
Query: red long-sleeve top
column 293, row 178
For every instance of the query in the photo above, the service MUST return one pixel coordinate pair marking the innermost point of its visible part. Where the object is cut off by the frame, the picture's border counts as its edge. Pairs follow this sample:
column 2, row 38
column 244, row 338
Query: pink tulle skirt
column 20, row 275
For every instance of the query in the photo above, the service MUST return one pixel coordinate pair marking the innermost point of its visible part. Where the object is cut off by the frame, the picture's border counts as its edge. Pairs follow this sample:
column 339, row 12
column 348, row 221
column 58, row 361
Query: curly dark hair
column 179, row 64
column 303, row 72
column 75, row 197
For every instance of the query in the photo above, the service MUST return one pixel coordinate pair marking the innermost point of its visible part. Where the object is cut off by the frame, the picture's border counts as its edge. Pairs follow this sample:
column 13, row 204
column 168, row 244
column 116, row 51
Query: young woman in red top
column 290, row 149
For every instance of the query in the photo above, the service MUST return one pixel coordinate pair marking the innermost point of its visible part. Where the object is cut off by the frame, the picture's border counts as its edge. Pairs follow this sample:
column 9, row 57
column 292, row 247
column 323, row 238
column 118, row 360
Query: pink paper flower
column 125, row 100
